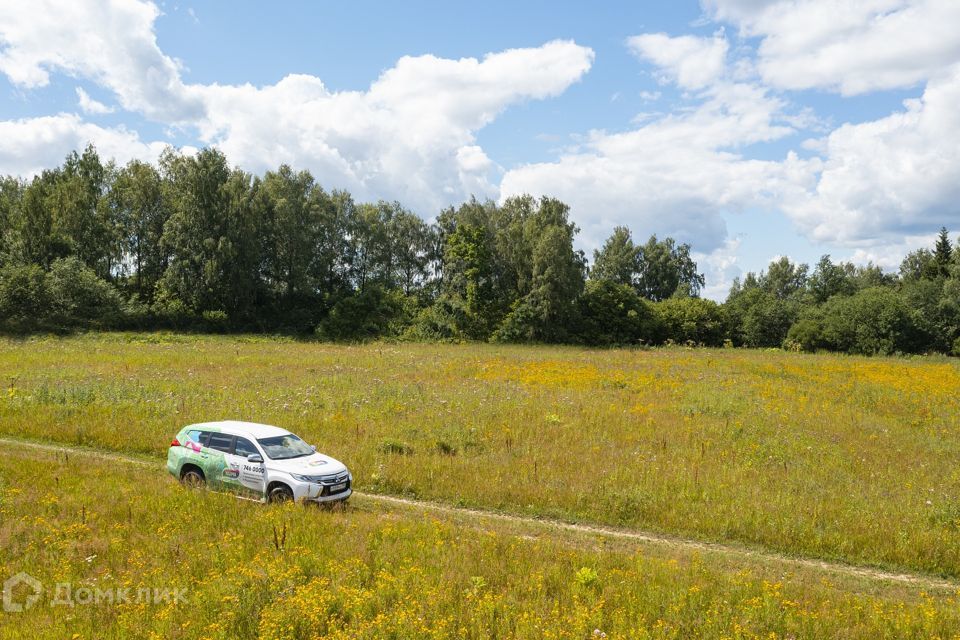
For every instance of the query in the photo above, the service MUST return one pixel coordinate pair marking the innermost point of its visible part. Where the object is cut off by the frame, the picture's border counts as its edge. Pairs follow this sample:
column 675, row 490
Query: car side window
column 221, row 442
column 244, row 447
column 198, row 436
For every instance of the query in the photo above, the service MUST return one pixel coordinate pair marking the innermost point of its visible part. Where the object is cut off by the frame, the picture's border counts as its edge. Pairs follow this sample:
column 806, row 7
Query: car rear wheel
column 280, row 494
column 193, row 478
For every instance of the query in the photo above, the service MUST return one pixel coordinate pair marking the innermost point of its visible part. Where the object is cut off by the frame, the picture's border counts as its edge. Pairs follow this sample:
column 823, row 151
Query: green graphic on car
column 266, row 461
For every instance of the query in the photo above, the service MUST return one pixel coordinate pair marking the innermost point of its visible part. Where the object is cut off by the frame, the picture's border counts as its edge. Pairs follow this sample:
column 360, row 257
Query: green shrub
column 440, row 322
column 215, row 321
column 611, row 313
column 872, row 321
column 78, row 297
column 586, row 577
column 396, row 447
column 806, row 335
column 371, row 313
column 691, row 320
column 446, row 448
column 24, row 298
column 520, row 325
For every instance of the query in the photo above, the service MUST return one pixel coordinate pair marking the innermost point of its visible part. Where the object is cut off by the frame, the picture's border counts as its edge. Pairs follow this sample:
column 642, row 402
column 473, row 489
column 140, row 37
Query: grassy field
column 842, row 458
column 244, row 570
column 829, row 456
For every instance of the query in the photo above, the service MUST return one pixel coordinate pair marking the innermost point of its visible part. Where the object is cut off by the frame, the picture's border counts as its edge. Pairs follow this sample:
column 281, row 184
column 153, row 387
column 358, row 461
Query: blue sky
column 749, row 128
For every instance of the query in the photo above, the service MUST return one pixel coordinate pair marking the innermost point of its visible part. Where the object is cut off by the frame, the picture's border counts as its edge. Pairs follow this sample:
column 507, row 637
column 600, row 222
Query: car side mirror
column 255, row 458
column 314, row 447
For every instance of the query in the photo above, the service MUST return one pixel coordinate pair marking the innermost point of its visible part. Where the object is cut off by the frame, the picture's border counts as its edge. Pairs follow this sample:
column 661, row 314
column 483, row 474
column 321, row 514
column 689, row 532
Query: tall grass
column 287, row 572
column 837, row 457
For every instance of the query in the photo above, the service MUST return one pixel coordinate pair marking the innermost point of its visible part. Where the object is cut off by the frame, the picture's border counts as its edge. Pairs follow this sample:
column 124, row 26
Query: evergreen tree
column 943, row 253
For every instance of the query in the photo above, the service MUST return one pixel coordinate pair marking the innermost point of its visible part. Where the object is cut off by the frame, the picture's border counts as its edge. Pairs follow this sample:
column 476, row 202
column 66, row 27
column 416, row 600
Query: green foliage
column 873, row 321
column 806, row 335
column 24, row 297
column 395, row 447
column 140, row 211
column 935, row 302
column 291, row 210
column 617, row 260
column 371, row 313
column 80, row 216
column 919, row 265
column 213, row 235
column 665, row 269
column 943, row 253
column 194, row 243
column 78, row 297
column 11, row 193
column 761, row 317
column 691, row 321
column 33, row 240
column 783, row 278
column 215, row 321
column 469, row 279
column 829, row 279
column 512, row 270
column 440, row 322
column 519, row 325
column 762, row 308
column 388, row 245
column 557, row 280
column 586, row 577
column 611, row 313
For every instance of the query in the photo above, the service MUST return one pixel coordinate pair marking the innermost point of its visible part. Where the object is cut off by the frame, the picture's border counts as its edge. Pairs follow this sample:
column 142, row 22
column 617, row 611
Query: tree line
column 192, row 243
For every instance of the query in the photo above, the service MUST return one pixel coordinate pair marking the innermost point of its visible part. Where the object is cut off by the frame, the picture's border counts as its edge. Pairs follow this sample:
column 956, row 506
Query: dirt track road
column 546, row 525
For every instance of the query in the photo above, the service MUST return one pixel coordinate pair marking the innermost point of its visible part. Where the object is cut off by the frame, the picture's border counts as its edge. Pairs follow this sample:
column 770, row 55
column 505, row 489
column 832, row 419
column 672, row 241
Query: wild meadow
column 100, row 536
column 843, row 458
column 837, row 457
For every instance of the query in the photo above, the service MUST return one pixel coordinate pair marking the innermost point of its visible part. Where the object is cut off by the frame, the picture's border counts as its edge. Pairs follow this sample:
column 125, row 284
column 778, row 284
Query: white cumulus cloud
column 849, row 46
column 674, row 174
column 110, row 42
column 891, row 177
column 31, row 145
column 410, row 136
column 689, row 61
column 89, row 105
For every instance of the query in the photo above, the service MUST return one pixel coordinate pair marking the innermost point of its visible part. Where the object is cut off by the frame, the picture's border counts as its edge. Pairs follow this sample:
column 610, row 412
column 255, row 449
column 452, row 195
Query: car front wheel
column 280, row 494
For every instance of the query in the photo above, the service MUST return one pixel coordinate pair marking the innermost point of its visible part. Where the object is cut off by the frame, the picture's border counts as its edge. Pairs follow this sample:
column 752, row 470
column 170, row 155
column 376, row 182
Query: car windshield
column 285, row 447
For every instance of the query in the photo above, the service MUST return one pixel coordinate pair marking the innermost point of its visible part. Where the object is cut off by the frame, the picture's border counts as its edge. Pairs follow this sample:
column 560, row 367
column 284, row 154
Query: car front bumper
column 336, row 497
column 314, row 492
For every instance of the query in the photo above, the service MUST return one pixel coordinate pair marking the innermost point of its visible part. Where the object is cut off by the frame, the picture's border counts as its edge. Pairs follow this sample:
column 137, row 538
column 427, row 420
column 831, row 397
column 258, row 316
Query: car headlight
column 302, row 478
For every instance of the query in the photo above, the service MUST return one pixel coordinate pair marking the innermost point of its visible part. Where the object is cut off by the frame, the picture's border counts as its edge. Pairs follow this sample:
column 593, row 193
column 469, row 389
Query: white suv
column 269, row 462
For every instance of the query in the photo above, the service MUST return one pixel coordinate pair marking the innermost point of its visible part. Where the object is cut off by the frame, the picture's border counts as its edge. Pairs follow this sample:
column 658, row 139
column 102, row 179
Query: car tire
column 280, row 494
column 193, row 478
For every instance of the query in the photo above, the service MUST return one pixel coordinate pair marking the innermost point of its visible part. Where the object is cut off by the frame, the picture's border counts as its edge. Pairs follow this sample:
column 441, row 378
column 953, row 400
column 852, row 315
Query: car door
column 220, row 468
column 196, row 451
column 251, row 473
column 195, row 444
